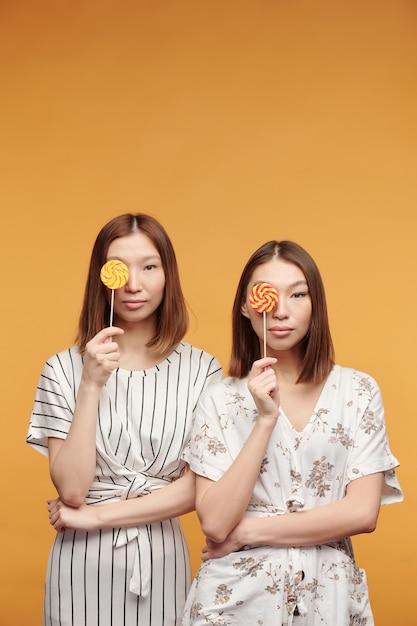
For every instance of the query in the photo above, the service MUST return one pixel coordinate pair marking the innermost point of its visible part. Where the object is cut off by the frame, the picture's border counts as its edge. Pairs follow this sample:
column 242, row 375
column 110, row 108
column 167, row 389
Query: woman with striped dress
column 113, row 414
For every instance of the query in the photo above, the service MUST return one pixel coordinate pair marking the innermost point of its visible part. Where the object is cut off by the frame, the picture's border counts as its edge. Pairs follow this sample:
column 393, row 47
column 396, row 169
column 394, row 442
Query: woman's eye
column 299, row 294
column 149, row 267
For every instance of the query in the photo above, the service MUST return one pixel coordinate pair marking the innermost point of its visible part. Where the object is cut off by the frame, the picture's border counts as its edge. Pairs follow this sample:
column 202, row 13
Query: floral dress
column 344, row 439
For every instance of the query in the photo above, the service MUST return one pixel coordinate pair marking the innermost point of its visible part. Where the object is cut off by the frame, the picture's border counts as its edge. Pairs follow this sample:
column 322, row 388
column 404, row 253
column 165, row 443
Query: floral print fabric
column 344, row 439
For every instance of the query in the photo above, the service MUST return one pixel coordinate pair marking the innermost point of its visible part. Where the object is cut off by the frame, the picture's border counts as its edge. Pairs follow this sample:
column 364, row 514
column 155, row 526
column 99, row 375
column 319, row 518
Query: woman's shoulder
column 226, row 389
column 62, row 371
column 185, row 346
column 68, row 358
column 196, row 354
column 353, row 376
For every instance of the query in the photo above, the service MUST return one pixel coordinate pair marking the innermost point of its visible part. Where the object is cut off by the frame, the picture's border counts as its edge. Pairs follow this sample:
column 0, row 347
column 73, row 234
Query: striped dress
column 135, row 576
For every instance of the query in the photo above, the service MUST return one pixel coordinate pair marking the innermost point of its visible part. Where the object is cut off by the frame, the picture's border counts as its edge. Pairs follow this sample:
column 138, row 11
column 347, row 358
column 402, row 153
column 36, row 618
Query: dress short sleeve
column 222, row 421
column 54, row 400
column 371, row 452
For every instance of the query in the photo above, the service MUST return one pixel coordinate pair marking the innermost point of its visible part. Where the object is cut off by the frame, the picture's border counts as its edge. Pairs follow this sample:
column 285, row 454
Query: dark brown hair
column 172, row 315
column 317, row 345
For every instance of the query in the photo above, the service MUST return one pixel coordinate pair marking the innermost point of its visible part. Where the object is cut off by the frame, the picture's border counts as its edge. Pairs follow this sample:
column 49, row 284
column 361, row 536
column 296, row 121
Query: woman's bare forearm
column 171, row 501
column 73, row 460
column 356, row 513
column 221, row 504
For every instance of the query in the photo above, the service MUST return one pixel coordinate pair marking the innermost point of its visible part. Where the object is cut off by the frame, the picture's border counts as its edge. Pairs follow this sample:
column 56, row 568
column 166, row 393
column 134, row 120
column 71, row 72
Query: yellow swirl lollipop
column 114, row 274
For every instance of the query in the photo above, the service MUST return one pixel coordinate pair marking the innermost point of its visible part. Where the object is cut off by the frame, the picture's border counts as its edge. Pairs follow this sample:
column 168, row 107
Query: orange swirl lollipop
column 114, row 274
column 263, row 298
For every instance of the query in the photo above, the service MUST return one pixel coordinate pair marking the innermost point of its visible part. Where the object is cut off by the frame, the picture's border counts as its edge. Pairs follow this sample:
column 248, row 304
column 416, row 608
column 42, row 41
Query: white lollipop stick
column 111, row 308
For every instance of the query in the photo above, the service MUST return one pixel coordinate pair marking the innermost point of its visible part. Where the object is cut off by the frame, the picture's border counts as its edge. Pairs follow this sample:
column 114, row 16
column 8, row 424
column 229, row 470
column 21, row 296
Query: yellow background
column 233, row 122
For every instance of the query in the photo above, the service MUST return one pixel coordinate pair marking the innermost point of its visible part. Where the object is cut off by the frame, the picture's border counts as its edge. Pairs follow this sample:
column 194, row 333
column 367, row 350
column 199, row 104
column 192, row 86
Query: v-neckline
column 314, row 411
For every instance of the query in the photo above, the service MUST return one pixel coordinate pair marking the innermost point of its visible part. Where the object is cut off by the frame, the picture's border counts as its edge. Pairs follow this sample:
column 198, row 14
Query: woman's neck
column 135, row 354
column 288, row 367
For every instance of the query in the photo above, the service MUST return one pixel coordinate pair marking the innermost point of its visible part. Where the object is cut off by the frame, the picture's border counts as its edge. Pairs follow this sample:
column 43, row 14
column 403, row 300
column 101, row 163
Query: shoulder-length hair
column 171, row 315
column 317, row 346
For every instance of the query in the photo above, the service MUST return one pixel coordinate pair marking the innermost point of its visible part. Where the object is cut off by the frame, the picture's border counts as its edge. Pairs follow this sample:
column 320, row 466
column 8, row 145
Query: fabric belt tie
column 141, row 485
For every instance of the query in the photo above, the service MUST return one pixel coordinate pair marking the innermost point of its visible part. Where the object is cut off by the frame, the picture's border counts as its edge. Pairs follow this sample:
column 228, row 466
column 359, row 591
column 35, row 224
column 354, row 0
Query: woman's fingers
column 263, row 386
column 102, row 356
column 54, row 507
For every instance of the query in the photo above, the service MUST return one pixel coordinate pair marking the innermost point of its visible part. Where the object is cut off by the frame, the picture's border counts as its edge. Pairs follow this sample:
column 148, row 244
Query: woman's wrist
column 89, row 385
column 264, row 426
column 254, row 531
column 102, row 518
column 243, row 533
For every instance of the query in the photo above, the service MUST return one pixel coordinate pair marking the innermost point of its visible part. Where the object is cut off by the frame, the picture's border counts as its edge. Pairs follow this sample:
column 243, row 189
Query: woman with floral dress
column 291, row 458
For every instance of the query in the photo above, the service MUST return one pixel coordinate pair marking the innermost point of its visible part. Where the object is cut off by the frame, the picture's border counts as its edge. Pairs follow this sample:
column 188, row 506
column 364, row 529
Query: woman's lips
column 133, row 304
column 280, row 331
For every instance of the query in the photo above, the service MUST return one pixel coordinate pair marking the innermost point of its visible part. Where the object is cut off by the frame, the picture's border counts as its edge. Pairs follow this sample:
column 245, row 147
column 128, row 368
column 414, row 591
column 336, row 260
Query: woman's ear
column 244, row 309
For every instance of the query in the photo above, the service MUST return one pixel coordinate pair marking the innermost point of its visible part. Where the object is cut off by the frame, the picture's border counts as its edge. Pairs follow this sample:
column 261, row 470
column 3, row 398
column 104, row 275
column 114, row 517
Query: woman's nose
column 280, row 310
column 134, row 282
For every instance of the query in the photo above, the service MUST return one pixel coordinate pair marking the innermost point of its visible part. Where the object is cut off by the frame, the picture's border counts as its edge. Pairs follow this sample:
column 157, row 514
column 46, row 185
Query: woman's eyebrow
column 299, row 282
column 296, row 284
column 149, row 257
